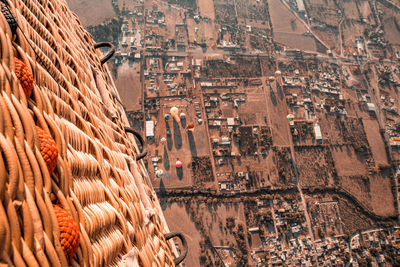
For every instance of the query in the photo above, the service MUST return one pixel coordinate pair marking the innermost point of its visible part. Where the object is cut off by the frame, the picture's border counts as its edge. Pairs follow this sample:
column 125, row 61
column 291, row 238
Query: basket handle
column 168, row 236
column 110, row 52
column 141, row 141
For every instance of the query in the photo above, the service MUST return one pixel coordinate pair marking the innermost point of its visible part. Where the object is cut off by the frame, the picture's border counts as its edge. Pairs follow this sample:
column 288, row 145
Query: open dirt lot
column 208, row 31
column 128, row 85
column 214, row 219
column 172, row 17
column 324, row 11
column 373, row 191
column 283, row 20
column 206, row 8
column 351, row 30
column 277, row 112
column 382, row 200
column 179, row 220
column 347, row 162
column 253, row 110
column 392, row 31
column 295, row 40
column 366, row 12
column 92, row 12
column 375, row 141
column 350, row 10
column 214, row 215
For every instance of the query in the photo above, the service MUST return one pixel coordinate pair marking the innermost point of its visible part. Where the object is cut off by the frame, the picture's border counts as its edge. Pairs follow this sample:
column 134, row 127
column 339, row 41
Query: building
column 150, row 129
column 225, row 141
column 317, row 132
column 300, row 8
column 231, row 121
column 371, row 107
column 254, row 229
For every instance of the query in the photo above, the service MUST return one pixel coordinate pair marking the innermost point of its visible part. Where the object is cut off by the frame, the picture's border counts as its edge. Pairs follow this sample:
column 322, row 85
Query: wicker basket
column 98, row 195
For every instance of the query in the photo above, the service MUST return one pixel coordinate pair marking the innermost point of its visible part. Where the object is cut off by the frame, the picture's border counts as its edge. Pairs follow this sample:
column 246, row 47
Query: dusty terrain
column 347, row 162
column 179, row 220
column 129, row 89
column 375, row 141
column 92, row 12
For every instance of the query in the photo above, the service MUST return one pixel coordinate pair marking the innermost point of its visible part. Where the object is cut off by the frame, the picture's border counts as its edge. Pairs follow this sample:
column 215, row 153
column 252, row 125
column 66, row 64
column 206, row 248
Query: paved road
column 319, row 56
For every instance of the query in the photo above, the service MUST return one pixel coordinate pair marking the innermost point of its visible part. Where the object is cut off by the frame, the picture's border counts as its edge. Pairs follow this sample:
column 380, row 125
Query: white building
column 317, row 131
column 300, row 6
column 231, row 121
column 149, row 129
column 371, row 107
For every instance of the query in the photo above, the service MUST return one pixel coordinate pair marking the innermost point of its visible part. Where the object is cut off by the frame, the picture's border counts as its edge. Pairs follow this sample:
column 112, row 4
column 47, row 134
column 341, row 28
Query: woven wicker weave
column 71, row 123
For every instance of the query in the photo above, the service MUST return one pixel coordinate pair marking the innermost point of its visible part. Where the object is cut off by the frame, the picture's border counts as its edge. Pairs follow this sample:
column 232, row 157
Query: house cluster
column 224, row 41
column 131, row 39
column 233, row 182
column 298, row 251
column 389, row 105
column 325, row 218
column 377, row 244
column 299, row 103
column 285, row 238
column 155, row 17
column 289, row 215
column 217, row 122
column 332, row 251
column 215, row 98
column 293, row 245
column 327, row 83
column 393, row 131
column 170, row 76
column 388, row 75
column 153, row 42
column 364, row 99
column 326, row 86
column 290, row 244
column 151, row 74
column 376, row 39
column 302, row 104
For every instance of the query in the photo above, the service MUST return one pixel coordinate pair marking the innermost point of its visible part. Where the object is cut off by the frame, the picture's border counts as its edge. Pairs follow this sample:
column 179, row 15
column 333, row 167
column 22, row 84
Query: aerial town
column 272, row 126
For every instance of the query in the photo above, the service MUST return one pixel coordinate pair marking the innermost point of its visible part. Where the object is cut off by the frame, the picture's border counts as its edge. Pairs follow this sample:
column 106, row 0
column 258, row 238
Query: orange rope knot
column 48, row 149
column 24, row 76
column 69, row 232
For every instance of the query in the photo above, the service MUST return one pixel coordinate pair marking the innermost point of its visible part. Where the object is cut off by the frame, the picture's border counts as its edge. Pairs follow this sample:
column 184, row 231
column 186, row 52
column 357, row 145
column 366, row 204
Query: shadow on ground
column 163, row 200
column 279, row 90
column 183, row 123
column 166, row 159
column 179, row 172
column 169, row 138
column 192, row 144
column 272, row 95
column 177, row 136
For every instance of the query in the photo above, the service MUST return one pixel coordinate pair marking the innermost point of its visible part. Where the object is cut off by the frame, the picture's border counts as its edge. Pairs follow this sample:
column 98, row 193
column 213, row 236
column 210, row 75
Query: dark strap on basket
column 168, row 236
column 10, row 17
column 110, row 52
column 141, row 141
